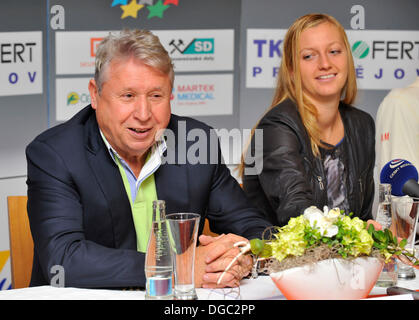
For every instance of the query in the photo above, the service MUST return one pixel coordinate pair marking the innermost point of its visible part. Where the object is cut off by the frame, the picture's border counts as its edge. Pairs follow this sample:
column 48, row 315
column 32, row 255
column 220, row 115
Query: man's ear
column 94, row 93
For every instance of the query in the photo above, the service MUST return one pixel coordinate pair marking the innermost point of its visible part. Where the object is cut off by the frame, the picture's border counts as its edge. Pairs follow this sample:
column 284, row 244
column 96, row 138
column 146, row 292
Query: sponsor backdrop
column 226, row 56
column 200, row 36
column 383, row 59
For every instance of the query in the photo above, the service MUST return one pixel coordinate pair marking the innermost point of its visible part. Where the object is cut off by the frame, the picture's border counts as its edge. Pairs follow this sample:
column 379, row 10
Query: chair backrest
column 21, row 242
column 207, row 231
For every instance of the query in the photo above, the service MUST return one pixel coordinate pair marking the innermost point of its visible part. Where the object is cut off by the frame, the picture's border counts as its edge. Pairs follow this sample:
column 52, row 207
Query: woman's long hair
column 289, row 84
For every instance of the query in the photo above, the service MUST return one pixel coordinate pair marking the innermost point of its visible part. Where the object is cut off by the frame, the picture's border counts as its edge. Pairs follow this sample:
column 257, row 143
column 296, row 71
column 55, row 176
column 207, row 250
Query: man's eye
column 127, row 95
column 156, row 95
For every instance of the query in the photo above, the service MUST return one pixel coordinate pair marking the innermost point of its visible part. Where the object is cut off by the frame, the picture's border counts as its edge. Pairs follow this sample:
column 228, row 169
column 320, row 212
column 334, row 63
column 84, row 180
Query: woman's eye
column 307, row 56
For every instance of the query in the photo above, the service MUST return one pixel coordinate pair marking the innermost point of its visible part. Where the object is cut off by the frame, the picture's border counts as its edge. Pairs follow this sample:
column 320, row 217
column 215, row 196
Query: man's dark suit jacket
column 80, row 215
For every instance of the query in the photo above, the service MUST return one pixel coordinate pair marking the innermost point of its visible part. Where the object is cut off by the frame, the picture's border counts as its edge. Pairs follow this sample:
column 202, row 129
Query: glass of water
column 183, row 232
column 384, row 205
column 405, row 212
column 388, row 276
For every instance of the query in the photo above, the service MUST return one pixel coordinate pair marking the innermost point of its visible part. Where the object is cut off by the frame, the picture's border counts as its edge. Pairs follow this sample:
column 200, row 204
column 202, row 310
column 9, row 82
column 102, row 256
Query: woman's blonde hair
column 140, row 44
column 289, row 84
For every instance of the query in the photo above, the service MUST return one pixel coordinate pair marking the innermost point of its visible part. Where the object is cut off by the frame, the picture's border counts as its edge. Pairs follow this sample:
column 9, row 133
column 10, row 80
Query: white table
column 254, row 289
column 261, row 288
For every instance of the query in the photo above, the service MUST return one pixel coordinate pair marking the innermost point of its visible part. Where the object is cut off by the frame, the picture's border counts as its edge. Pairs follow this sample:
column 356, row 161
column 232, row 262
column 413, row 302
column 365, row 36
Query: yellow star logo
column 131, row 9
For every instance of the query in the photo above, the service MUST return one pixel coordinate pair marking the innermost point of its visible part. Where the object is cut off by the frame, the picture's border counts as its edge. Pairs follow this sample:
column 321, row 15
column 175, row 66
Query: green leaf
column 379, row 245
column 408, row 254
column 403, row 243
column 388, row 235
column 266, row 252
column 256, row 246
column 371, row 229
column 379, row 236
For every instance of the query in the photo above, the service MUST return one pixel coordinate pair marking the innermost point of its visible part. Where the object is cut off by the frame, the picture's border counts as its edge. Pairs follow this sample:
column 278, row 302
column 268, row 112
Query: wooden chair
column 21, row 243
column 207, row 230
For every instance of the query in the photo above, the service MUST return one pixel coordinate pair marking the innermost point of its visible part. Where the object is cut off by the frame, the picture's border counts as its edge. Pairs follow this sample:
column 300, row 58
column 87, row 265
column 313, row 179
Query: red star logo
column 175, row 2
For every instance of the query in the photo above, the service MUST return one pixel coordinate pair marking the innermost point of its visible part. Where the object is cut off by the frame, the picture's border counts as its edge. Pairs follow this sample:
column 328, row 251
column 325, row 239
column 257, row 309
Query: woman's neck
column 330, row 123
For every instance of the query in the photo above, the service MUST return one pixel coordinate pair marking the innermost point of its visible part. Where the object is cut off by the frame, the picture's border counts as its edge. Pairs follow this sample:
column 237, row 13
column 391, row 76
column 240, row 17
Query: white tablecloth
column 250, row 289
column 261, row 288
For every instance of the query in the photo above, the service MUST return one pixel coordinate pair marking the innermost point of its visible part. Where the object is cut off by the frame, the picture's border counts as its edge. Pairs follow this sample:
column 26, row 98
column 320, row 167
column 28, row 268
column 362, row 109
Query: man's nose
column 142, row 109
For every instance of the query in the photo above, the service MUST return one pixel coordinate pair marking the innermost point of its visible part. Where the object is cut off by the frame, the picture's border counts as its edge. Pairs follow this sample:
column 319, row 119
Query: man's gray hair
column 140, row 44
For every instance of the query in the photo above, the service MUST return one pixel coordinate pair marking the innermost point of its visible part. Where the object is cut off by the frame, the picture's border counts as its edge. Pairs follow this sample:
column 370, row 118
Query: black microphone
column 402, row 176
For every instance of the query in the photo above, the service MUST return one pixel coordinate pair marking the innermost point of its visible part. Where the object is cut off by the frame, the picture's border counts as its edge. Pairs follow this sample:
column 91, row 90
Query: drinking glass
column 388, row 276
column 405, row 216
column 183, row 232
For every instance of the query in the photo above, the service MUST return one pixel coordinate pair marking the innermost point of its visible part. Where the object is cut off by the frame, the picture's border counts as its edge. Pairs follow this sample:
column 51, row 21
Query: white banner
column 263, row 56
column 199, row 50
column 191, row 50
column 193, row 95
column 383, row 59
column 71, row 95
column 203, row 95
column 75, row 51
column 20, row 63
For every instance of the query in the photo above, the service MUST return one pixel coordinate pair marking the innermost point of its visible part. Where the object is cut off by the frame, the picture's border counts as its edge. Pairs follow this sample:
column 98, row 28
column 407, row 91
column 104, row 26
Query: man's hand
column 213, row 256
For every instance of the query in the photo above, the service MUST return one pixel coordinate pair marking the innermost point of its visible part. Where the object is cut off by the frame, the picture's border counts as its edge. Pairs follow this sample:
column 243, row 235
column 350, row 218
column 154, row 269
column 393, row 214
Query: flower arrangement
column 317, row 235
column 325, row 237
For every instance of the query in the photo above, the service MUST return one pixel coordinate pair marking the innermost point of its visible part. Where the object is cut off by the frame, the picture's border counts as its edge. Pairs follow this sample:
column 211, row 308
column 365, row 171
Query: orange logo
column 94, row 42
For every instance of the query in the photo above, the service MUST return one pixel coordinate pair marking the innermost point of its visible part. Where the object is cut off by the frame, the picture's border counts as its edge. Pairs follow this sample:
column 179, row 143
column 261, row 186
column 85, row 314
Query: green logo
column 360, row 49
column 196, row 46
column 200, row 46
column 72, row 98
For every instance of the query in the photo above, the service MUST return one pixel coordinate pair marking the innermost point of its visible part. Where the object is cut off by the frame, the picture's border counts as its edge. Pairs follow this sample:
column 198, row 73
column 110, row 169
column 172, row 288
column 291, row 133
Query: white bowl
column 332, row 279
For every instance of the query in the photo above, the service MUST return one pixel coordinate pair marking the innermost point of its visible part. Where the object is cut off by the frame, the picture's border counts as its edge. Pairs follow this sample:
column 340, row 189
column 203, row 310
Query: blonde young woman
column 317, row 148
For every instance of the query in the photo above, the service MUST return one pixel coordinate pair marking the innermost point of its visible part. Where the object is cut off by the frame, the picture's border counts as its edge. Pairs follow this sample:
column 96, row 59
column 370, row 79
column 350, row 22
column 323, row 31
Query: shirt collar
column 154, row 160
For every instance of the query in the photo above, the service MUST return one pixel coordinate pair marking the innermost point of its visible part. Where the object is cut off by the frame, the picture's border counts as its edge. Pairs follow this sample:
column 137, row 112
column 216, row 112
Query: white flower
column 323, row 221
column 333, row 214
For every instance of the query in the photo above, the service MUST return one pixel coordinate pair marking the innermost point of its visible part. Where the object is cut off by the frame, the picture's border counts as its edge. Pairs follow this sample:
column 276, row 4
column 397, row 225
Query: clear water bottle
column 158, row 261
column 388, row 276
column 384, row 205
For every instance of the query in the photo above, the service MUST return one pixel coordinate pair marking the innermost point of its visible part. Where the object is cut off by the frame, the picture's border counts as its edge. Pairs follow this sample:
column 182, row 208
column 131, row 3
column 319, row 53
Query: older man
column 91, row 180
